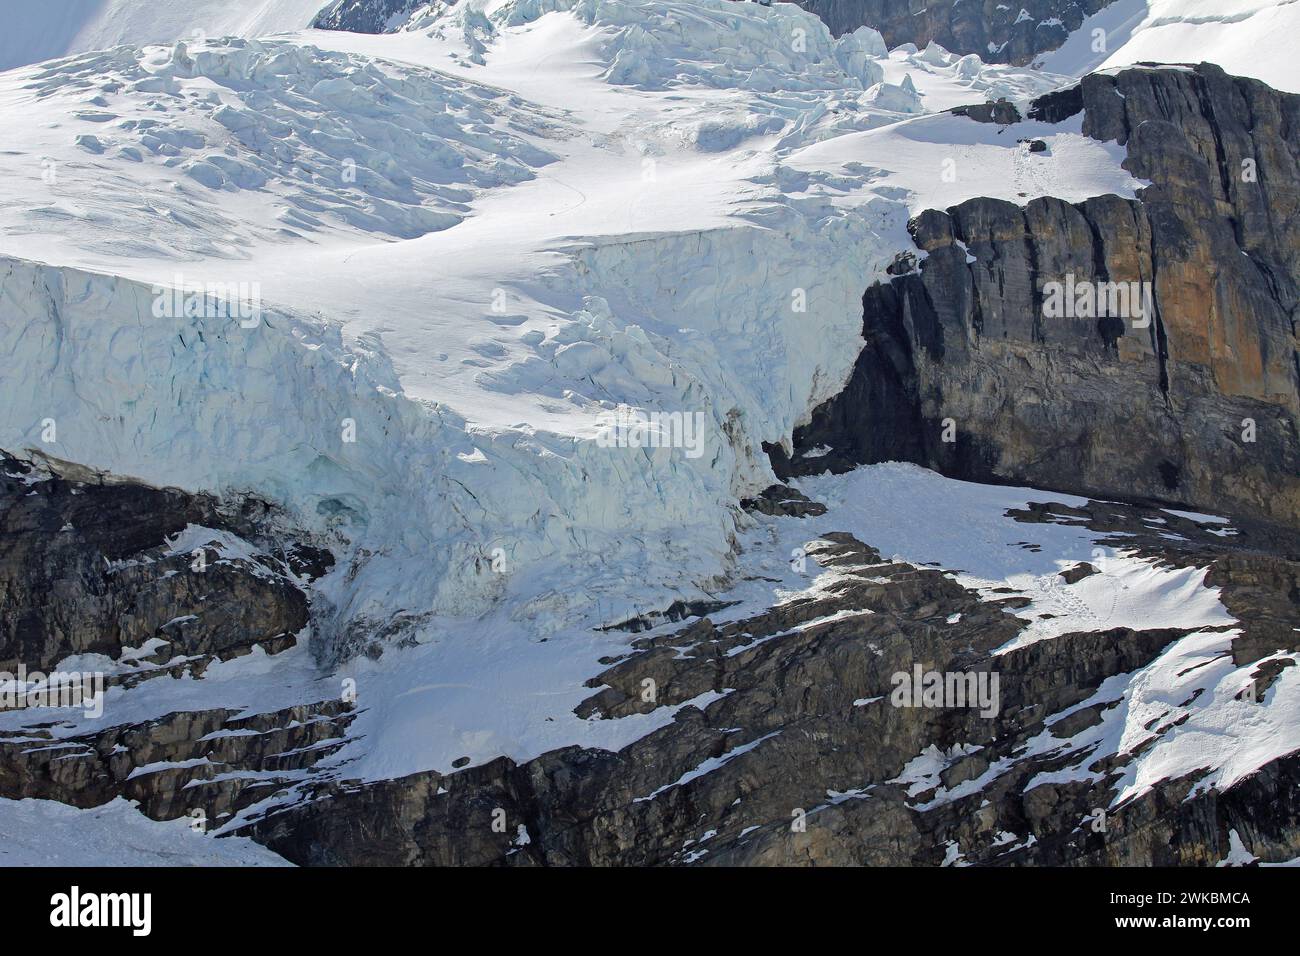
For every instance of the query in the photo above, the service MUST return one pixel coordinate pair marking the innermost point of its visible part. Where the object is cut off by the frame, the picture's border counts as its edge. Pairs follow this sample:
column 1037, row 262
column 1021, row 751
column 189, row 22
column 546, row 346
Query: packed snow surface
column 918, row 516
column 46, row 833
column 1246, row 37
column 36, row 30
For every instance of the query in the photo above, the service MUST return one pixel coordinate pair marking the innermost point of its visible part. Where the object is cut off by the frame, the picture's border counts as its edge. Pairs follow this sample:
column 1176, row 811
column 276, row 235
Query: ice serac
column 999, row 32
column 1198, row 401
column 489, row 446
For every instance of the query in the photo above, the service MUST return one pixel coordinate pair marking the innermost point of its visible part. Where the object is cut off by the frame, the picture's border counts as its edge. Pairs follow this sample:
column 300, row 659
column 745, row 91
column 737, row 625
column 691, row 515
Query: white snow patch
column 46, row 833
column 51, row 28
column 1245, row 37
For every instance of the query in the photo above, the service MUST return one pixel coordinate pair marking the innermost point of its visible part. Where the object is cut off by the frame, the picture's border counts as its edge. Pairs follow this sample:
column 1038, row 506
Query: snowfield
column 1245, row 37
column 446, row 257
column 46, row 833
column 43, row 31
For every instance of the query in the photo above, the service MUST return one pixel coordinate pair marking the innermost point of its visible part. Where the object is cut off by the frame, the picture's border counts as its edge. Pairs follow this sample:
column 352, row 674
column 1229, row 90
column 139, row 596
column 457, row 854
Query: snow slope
column 1245, row 37
column 44, row 29
column 46, row 833
column 933, row 162
column 917, row 516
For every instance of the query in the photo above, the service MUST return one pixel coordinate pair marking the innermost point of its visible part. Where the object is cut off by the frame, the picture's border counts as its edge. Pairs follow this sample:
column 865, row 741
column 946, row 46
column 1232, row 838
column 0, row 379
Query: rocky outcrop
column 783, row 500
column 997, row 32
column 89, row 565
column 1193, row 397
column 800, row 758
column 159, row 583
column 201, row 764
column 366, row 16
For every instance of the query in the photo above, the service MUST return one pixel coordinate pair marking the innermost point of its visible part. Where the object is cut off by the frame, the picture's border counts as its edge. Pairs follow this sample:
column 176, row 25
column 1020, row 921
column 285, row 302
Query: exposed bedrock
column 365, row 16
column 145, row 576
column 159, row 584
column 804, row 759
column 217, row 762
column 1191, row 397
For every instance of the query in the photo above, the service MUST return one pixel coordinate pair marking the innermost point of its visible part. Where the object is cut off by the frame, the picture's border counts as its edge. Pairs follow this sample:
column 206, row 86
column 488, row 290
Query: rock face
column 211, row 763
column 159, row 583
column 366, row 16
column 94, row 567
column 800, row 757
column 1193, row 397
column 997, row 32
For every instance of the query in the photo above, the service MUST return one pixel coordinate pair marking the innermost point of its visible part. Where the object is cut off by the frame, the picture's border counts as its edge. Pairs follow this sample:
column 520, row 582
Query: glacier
column 474, row 239
column 437, row 422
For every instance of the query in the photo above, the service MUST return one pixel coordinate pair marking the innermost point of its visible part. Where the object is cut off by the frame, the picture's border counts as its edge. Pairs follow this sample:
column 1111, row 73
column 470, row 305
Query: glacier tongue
column 443, row 516
column 447, row 336
column 447, row 435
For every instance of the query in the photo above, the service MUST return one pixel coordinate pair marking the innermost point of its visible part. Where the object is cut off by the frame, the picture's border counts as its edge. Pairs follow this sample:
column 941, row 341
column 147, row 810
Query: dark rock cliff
column 366, row 16
column 86, row 567
column 1194, row 399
